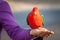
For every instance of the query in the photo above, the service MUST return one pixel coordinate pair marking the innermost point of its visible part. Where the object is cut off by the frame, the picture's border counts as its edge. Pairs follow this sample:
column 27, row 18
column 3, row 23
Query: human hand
column 42, row 32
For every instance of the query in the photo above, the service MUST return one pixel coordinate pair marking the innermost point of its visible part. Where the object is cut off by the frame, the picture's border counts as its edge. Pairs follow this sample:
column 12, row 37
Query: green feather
column 42, row 19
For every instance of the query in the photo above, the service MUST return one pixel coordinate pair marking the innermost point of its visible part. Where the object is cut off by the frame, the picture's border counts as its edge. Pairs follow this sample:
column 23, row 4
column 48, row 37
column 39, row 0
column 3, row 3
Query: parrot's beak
column 35, row 13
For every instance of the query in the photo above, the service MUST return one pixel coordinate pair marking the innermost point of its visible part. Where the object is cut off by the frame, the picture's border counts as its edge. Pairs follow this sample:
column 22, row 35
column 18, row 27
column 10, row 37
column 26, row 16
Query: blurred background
column 49, row 8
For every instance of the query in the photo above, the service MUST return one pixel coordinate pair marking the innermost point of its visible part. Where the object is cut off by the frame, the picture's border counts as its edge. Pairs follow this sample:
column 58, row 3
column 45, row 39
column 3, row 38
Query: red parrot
column 34, row 19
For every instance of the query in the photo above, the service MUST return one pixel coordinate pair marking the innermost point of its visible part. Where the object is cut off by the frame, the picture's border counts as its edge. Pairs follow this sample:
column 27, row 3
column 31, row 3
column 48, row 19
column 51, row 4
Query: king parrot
column 35, row 20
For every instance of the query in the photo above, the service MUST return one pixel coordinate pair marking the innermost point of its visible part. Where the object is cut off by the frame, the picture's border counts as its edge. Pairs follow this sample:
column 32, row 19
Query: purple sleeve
column 10, row 25
column 1, row 1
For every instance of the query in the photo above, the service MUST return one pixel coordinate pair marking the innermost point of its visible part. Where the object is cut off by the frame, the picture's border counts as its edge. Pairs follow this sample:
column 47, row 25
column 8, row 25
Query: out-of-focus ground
column 50, row 9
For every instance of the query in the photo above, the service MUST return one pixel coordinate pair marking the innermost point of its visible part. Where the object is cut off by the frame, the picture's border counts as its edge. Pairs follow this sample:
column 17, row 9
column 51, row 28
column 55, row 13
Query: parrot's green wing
column 43, row 20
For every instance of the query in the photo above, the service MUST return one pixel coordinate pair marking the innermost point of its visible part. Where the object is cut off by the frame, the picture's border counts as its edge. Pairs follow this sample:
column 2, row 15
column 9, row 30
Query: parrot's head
column 35, row 10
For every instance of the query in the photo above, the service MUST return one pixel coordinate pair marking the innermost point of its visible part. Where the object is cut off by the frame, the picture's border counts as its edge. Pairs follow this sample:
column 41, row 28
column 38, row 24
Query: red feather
column 34, row 18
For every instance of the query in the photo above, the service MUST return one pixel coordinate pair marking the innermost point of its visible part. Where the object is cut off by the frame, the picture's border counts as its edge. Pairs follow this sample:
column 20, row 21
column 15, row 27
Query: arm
column 10, row 25
column 1, row 1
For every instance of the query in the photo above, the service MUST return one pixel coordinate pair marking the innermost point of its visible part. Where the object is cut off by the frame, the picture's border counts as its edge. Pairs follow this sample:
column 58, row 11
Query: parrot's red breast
column 34, row 19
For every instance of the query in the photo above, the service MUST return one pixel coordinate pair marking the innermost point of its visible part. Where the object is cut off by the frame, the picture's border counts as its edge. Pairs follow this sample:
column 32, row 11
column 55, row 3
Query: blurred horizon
column 20, row 5
column 38, row 1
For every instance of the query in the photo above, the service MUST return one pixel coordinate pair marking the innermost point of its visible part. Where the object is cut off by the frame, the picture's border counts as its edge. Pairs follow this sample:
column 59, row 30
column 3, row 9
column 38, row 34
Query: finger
column 42, row 33
column 46, row 36
column 44, row 29
column 52, row 32
column 48, row 33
